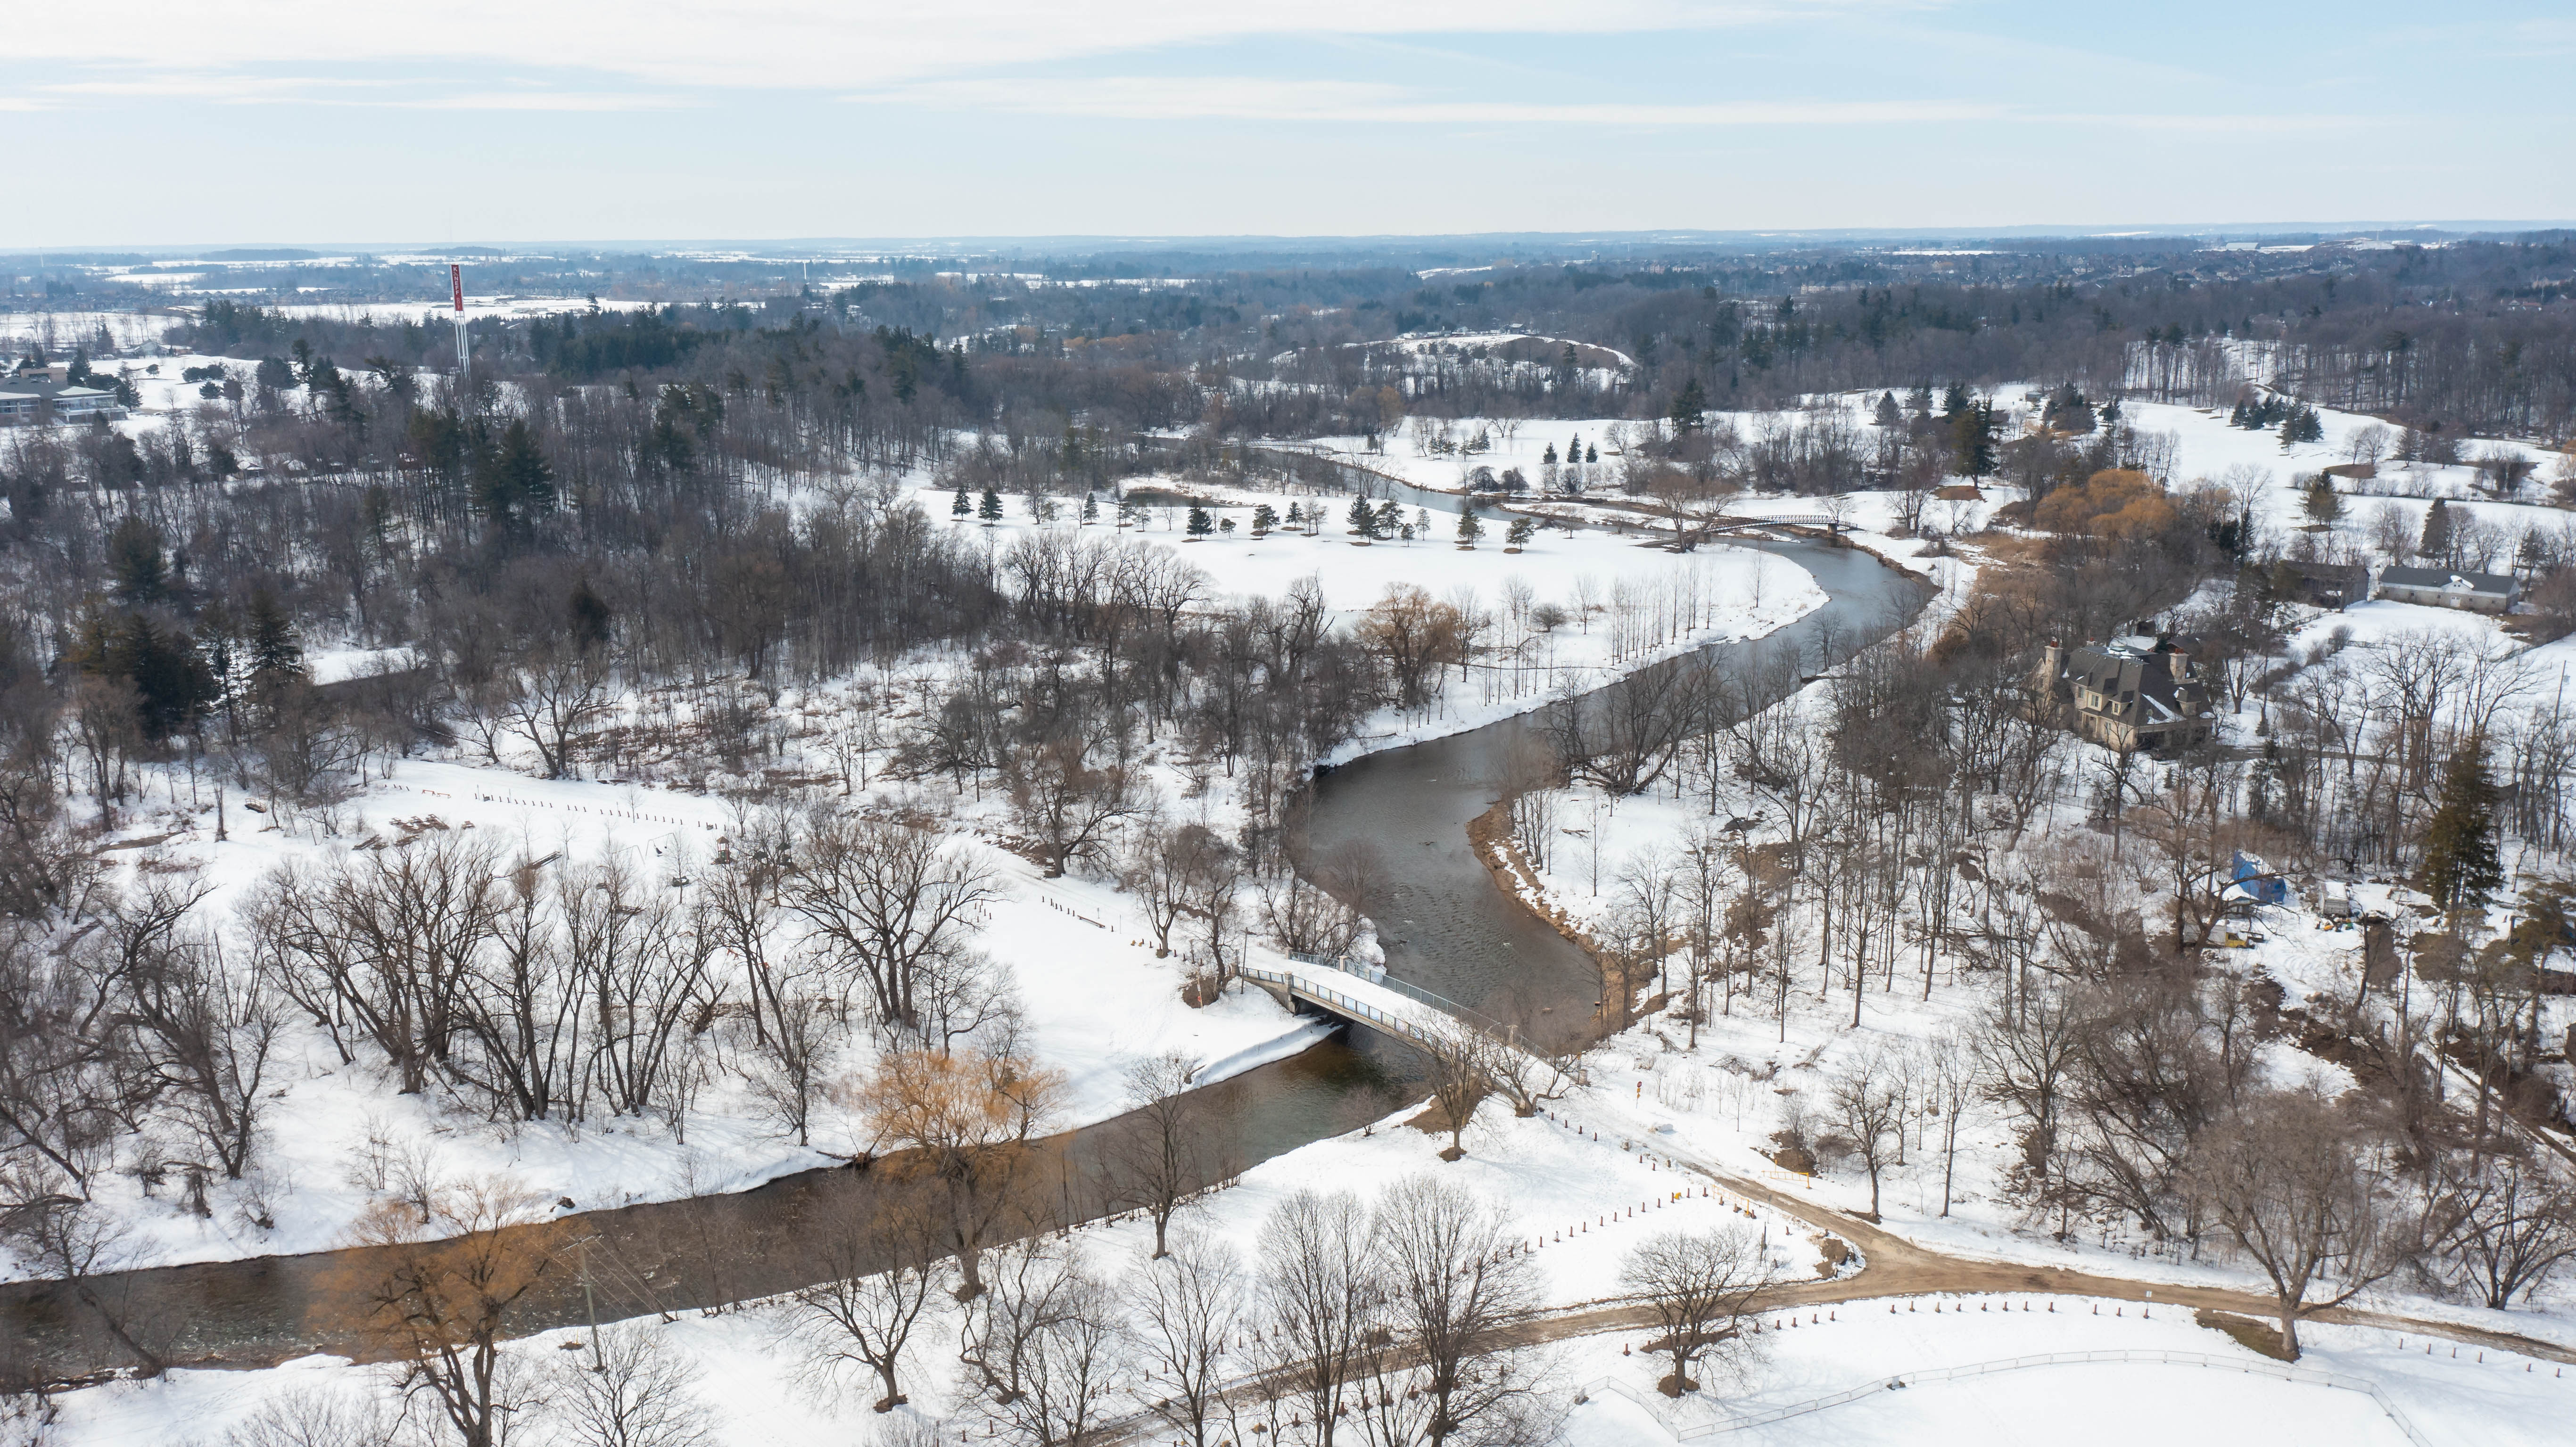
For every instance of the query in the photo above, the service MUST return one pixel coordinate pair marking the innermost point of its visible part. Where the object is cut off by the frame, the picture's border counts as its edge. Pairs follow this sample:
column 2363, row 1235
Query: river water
column 1445, row 927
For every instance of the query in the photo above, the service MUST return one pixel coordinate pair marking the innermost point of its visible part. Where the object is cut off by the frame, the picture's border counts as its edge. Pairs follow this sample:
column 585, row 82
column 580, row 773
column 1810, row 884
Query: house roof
column 2138, row 685
column 2450, row 581
column 37, row 387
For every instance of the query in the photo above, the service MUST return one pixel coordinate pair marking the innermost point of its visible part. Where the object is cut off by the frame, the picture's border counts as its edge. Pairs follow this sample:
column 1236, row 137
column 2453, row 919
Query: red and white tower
column 456, row 291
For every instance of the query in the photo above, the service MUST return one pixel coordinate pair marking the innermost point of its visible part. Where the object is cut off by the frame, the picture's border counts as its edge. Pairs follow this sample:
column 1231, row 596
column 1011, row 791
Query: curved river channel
column 1445, row 927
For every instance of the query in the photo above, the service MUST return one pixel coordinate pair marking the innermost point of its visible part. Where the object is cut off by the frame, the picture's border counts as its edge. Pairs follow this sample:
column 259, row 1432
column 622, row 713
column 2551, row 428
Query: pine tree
column 275, row 655
column 1520, row 532
column 1263, row 519
column 962, row 507
column 1090, row 509
column 1470, row 527
column 517, row 485
column 2324, row 503
column 2461, row 865
column 1888, row 413
column 2435, row 544
column 135, row 561
column 1687, row 407
column 1388, row 518
column 1591, row 454
column 1200, row 523
column 1363, row 518
column 1296, row 516
column 990, row 509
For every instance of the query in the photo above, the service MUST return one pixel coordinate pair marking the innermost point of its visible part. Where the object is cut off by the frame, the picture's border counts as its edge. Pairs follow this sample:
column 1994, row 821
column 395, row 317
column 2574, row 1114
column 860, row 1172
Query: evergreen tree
column 515, row 486
column 2435, row 543
column 1888, row 415
column 1389, row 517
column 275, row 653
column 1264, row 519
column 1972, row 440
column 2461, row 865
column 2323, row 502
column 1363, row 518
column 135, row 561
column 961, row 507
column 1688, row 407
column 1470, row 527
column 1090, row 509
column 990, row 509
column 1919, row 402
column 1296, row 516
column 1200, row 523
column 1519, row 533
column 1591, row 454
column 1954, row 403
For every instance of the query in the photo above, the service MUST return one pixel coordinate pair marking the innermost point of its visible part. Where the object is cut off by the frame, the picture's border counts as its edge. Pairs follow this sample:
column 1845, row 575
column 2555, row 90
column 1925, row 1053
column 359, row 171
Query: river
column 1446, row 928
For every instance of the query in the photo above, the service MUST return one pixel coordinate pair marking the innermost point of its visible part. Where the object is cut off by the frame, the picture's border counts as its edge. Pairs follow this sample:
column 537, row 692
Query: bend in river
column 1448, row 929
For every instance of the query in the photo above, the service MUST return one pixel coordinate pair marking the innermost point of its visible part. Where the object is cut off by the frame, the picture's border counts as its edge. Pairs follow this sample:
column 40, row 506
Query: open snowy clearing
column 2449, row 1400
column 1624, row 600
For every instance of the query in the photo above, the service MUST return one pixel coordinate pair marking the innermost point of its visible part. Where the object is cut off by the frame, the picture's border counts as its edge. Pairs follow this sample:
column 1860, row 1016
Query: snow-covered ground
column 1076, row 948
column 1625, row 600
column 1550, row 1179
column 2462, row 1400
column 1096, row 1000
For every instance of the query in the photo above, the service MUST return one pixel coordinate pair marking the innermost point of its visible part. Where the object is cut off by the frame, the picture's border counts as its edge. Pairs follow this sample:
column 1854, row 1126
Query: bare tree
column 882, row 1265
column 1456, row 1289
column 880, row 899
column 2508, row 1222
column 636, row 1390
column 1869, row 1102
column 1185, row 1310
column 1065, row 804
column 1157, row 1157
column 973, row 1121
column 2290, row 1181
column 438, row 1305
column 1320, row 1284
column 1047, row 1348
column 316, row 1418
column 1700, row 1286
column 554, row 695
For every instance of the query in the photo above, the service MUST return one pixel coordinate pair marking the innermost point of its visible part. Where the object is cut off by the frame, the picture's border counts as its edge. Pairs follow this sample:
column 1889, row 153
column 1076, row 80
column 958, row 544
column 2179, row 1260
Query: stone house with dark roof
column 2130, row 694
column 2450, row 588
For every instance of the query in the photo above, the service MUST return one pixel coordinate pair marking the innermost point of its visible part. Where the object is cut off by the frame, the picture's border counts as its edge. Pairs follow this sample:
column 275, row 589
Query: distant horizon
column 950, row 243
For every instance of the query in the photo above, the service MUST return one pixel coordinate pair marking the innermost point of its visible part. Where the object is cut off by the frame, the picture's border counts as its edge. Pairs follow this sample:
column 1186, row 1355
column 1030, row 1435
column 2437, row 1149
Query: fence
column 2285, row 1371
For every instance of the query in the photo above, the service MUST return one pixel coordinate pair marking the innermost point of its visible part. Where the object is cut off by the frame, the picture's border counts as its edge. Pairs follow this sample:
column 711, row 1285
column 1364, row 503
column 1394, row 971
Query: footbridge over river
column 1368, row 997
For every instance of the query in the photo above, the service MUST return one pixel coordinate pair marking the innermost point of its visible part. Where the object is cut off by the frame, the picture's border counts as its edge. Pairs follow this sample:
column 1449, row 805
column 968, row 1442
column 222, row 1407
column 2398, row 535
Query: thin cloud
column 1257, row 98
column 808, row 44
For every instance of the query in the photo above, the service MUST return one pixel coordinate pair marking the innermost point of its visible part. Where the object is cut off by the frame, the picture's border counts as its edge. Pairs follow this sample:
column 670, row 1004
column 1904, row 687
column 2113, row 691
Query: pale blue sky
column 280, row 120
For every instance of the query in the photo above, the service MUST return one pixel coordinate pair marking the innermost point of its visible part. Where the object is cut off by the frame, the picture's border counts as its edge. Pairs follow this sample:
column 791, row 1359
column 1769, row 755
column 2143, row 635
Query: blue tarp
column 2271, row 890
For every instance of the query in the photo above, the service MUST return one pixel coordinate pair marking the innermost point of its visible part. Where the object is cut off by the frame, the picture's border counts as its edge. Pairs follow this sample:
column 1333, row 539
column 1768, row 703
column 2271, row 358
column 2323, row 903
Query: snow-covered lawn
column 2449, row 1400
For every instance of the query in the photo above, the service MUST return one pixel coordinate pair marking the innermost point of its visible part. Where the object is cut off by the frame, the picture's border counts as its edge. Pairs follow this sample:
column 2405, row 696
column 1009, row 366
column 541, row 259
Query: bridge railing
column 1384, row 981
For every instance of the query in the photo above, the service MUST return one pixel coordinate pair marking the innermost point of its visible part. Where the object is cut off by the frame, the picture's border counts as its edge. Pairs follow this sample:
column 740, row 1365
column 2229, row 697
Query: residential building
column 2320, row 585
column 2450, row 588
column 2132, row 693
column 27, row 401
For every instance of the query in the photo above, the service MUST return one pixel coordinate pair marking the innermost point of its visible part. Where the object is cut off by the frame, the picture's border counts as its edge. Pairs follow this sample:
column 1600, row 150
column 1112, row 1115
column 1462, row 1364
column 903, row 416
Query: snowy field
column 2453, row 1402
column 1625, row 599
